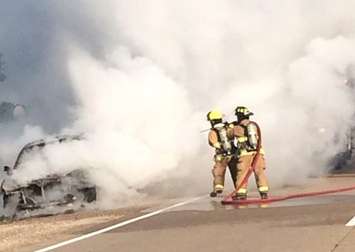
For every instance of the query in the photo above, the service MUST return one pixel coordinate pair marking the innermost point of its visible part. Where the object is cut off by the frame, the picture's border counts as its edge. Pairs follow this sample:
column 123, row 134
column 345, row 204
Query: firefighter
column 221, row 138
column 248, row 139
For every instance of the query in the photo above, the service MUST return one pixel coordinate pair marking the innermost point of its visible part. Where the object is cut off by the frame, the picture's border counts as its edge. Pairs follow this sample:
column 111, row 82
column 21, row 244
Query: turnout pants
column 243, row 165
column 219, row 171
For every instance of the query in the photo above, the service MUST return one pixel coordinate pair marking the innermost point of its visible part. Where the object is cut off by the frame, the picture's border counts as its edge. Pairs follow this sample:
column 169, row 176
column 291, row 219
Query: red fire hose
column 229, row 200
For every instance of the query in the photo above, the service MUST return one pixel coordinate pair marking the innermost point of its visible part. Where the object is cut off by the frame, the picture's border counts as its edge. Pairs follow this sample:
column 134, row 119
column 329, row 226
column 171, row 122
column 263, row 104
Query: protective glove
column 217, row 145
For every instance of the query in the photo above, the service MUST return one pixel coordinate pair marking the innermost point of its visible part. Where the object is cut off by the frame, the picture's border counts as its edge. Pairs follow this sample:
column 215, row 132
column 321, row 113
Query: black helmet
column 243, row 111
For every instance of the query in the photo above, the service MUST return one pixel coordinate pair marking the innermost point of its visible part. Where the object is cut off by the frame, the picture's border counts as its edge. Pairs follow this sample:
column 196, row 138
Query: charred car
column 52, row 194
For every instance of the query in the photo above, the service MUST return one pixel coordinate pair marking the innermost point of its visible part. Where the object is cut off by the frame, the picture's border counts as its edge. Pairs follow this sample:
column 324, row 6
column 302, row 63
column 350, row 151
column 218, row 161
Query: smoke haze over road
column 138, row 77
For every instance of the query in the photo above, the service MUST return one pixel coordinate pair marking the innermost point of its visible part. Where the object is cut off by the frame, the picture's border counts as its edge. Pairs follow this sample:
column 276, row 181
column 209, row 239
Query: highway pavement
column 204, row 224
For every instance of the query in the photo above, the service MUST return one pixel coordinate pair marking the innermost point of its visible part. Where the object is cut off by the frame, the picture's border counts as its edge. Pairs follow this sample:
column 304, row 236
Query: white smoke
column 135, row 116
column 139, row 77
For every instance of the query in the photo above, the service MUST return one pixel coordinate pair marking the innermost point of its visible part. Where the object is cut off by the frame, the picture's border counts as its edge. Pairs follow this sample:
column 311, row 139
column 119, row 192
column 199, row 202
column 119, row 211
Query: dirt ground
column 17, row 234
column 20, row 235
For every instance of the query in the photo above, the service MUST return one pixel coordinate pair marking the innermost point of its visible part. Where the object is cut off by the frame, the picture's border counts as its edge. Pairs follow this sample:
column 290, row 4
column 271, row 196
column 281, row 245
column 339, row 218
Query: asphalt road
column 312, row 224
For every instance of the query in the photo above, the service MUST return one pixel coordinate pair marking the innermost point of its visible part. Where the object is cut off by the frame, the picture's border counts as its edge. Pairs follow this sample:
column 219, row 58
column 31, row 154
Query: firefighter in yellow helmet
column 221, row 138
column 248, row 138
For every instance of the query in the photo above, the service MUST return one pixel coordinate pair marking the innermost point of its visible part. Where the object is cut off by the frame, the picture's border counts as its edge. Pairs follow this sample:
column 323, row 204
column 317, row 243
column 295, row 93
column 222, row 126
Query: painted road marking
column 118, row 225
column 351, row 222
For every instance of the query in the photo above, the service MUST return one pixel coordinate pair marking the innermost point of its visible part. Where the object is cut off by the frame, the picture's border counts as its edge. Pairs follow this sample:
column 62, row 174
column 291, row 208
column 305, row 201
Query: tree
column 2, row 75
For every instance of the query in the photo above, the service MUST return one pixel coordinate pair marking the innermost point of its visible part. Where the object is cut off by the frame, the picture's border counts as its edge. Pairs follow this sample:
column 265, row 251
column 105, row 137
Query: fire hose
column 229, row 198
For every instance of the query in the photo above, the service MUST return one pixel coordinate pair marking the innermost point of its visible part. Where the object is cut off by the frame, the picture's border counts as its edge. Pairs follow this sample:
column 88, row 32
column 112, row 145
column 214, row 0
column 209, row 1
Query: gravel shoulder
column 26, row 234
column 18, row 234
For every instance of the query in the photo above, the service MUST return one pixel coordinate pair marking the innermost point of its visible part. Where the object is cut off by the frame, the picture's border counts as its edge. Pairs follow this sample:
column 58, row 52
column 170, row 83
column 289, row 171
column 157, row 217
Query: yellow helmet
column 243, row 111
column 214, row 115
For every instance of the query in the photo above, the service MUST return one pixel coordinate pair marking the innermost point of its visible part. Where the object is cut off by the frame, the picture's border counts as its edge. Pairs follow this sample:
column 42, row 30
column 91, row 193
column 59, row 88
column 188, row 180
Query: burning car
column 52, row 194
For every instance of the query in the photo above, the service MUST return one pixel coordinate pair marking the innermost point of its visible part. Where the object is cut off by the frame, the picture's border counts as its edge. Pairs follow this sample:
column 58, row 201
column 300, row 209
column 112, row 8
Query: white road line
column 351, row 222
column 121, row 224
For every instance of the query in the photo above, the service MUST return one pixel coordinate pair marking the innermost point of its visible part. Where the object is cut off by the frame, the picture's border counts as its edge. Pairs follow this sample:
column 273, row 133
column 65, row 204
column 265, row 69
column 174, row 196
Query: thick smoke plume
column 138, row 77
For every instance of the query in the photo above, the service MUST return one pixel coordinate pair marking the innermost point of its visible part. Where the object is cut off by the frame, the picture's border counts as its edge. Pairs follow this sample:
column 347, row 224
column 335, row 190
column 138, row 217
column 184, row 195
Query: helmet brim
column 249, row 114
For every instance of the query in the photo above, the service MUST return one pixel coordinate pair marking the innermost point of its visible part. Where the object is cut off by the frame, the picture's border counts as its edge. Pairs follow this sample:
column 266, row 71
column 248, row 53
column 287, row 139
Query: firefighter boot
column 218, row 189
column 263, row 195
column 213, row 194
column 239, row 196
